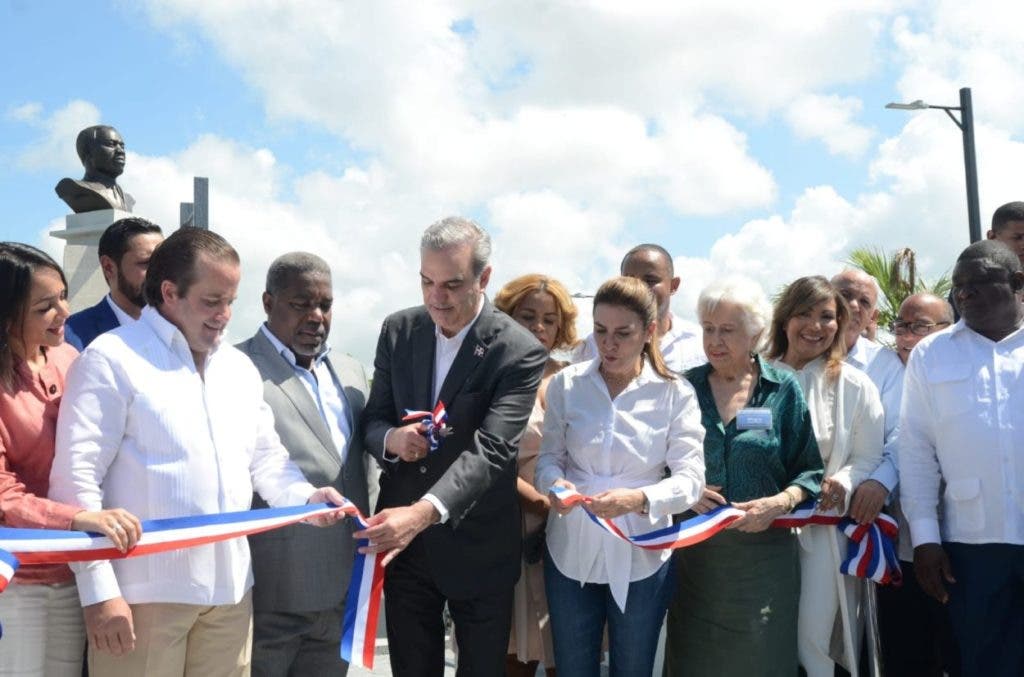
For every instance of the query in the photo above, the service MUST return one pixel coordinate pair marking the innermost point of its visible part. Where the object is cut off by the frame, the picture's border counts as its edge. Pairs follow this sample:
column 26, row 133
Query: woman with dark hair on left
column 42, row 620
column 544, row 307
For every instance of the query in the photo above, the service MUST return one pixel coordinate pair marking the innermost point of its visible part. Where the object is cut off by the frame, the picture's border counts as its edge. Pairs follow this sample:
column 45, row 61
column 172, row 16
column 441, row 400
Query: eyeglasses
column 917, row 328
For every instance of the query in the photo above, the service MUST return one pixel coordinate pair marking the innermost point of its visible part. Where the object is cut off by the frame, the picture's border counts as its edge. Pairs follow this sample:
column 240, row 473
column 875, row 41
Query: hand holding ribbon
column 871, row 552
column 435, row 424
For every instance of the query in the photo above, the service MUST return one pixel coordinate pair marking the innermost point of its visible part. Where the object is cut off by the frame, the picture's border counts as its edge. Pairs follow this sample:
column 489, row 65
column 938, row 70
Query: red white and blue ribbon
column 871, row 552
column 47, row 546
column 436, row 423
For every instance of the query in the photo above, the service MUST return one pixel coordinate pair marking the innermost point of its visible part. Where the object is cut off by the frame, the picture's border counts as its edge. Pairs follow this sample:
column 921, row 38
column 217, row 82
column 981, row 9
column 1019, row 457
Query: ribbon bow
column 436, row 422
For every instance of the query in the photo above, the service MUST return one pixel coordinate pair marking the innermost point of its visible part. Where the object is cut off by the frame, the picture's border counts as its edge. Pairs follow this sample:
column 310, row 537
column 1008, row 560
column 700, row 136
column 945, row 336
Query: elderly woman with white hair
column 735, row 608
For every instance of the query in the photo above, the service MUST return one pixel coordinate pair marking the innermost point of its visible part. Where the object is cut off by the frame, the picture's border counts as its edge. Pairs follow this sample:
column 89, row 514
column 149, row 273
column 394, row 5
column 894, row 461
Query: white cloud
column 830, row 119
column 54, row 147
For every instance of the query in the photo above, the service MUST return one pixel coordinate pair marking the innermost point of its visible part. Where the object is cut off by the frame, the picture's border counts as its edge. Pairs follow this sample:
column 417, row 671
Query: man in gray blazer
column 301, row 574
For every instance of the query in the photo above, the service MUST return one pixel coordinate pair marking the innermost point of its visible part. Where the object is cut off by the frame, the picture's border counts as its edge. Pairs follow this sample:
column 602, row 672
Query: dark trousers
column 916, row 635
column 414, row 608
column 986, row 607
column 297, row 644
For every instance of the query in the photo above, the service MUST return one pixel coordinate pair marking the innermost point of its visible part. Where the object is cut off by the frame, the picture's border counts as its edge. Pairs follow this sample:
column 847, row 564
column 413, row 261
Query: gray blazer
column 302, row 568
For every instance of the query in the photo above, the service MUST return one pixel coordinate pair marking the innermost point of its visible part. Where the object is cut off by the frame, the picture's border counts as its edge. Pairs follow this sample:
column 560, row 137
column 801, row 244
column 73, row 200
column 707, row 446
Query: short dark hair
column 287, row 267
column 993, row 251
column 175, row 258
column 645, row 248
column 1011, row 211
column 85, row 139
column 115, row 239
column 17, row 264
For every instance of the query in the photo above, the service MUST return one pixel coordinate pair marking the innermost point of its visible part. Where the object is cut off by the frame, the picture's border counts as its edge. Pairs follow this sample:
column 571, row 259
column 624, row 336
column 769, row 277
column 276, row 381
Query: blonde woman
column 544, row 307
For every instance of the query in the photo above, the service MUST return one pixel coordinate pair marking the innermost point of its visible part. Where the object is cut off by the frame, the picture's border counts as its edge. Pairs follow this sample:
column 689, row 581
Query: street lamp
column 966, row 125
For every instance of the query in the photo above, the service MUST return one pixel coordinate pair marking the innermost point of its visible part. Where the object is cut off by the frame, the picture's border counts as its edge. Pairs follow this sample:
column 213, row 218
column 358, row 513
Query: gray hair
column 746, row 294
column 287, row 267
column 453, row 231
column 880, row 296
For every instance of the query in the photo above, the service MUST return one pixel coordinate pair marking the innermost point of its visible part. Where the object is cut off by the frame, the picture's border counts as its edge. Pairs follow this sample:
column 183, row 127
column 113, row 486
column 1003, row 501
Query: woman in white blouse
column 807, row 337
column 613, row 427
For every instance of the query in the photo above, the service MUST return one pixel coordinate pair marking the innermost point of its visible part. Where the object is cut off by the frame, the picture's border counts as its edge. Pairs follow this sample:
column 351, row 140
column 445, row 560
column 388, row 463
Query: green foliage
column 897, row 277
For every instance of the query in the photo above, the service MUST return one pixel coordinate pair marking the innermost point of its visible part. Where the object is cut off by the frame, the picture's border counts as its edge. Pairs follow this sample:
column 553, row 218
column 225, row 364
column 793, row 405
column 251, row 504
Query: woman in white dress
column 846, row 412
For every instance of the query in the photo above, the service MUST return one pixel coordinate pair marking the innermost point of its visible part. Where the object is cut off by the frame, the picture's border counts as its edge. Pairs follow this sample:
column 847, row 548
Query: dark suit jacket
column 85, row 325
column 488, row 393
column 303, row 568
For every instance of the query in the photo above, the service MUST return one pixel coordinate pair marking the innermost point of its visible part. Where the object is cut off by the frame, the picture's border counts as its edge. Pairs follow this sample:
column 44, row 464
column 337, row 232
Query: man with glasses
column 915, row 631
column 920, row 315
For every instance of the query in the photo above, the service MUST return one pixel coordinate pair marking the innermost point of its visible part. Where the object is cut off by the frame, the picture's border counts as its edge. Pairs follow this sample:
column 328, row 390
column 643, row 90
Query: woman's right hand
column 556, row 503
column 709, row 500
column 120, row 526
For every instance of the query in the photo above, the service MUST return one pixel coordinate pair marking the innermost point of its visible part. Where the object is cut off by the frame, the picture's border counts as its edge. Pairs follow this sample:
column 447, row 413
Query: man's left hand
column 326, row 495
column 392, row 530
column 868, row 500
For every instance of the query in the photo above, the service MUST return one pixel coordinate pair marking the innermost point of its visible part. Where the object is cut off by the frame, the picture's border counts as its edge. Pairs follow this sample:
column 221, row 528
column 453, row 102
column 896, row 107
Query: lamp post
column 966, row 125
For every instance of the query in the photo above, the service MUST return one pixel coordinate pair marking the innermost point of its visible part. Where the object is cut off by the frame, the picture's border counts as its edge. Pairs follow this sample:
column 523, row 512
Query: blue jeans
column 579, row 613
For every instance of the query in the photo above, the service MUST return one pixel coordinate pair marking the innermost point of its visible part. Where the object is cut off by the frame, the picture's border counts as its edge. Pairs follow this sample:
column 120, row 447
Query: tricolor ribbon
column 362, row 603
column 871, row 553
column 436, row 423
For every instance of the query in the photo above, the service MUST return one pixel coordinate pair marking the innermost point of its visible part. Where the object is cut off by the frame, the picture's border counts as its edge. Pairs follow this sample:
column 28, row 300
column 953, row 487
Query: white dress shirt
column 140, row 429
column 123, row 318
column 445, row 350
column 323, row 388
column 963, row 423
column 682, row 346
column 598, row 444
column 884, row 368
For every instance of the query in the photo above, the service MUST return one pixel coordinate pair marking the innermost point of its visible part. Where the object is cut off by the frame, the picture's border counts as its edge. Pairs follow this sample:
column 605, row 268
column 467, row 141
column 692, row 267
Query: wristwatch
column 645, row 509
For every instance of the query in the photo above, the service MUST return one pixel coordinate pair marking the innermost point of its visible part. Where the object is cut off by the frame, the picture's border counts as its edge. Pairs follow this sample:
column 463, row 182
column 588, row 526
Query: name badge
column 759, row 418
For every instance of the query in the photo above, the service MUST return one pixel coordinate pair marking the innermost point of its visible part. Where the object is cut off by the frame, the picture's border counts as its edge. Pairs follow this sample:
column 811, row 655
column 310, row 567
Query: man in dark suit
column 301, row 574
column 449, row 519
column 124, row 250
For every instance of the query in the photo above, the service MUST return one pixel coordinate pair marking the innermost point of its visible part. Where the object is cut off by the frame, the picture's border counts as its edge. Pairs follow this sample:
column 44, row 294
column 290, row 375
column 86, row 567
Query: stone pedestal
column 82, row 233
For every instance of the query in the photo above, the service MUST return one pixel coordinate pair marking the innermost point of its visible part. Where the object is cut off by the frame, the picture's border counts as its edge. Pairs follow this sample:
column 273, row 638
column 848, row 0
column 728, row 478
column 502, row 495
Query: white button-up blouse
column 598, row 444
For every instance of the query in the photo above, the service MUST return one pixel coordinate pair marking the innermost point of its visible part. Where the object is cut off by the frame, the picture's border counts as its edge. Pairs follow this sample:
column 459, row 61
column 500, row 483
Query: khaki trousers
column 172, row 640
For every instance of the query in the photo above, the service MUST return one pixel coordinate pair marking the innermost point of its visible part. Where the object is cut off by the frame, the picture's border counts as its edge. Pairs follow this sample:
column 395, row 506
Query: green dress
column 735, row 607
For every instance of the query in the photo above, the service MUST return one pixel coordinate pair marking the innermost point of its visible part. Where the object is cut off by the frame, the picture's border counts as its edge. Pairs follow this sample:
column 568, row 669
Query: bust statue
column 101, row 150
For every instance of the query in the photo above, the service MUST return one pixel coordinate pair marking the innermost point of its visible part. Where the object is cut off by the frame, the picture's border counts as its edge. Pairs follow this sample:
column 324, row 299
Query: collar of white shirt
column 647, row 373
column 172, row 337
column 455, row 342
column 287, row 352
column 123, row 318
column 863, row 351
column 961, row 326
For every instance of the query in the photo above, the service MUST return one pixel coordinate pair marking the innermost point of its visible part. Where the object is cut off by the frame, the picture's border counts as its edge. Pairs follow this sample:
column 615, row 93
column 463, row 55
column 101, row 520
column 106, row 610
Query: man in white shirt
column 962, row 424
column 885, row 370
column 160, row 416
column 124, row 251
column 681, row 342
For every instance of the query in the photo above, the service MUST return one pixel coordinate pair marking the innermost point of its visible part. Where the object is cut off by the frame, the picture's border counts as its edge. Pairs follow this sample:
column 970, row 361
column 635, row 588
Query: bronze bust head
column 101, row 150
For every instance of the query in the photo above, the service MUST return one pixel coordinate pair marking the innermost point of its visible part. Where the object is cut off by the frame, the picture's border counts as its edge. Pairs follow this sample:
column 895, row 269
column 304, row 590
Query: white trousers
column 43, row 631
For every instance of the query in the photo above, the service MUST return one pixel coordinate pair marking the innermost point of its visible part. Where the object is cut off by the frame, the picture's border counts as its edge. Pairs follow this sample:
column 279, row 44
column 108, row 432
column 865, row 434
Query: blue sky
column 358, row 126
